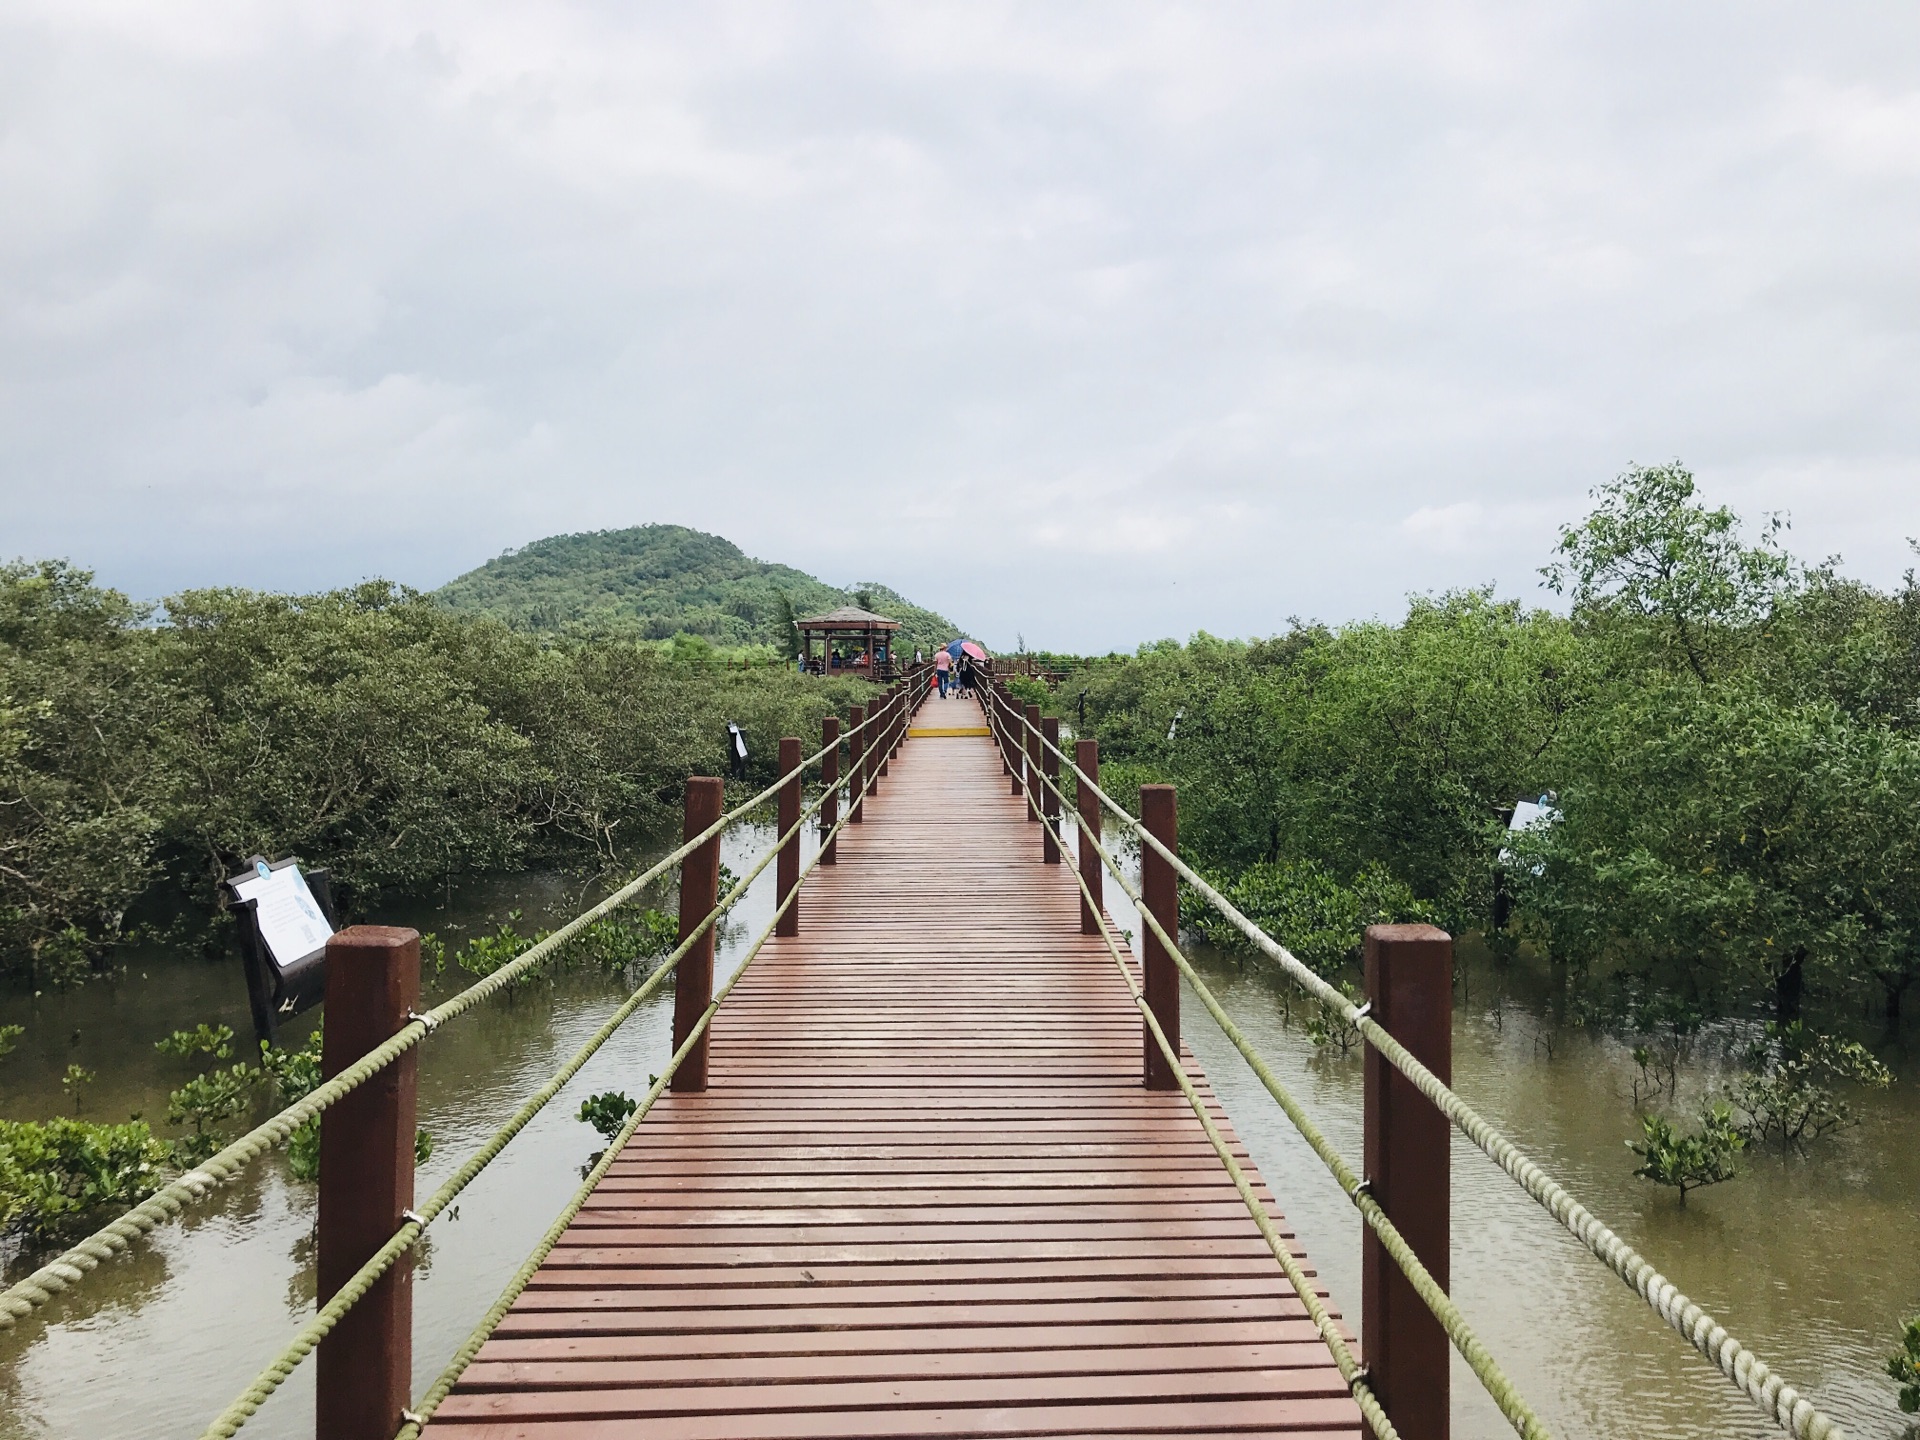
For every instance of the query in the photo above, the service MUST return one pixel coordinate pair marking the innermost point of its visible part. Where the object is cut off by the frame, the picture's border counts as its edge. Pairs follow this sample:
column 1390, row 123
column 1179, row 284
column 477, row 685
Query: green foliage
column 1669, row 1024
column 303, row 1151
column 787, row 635
column 205, row 1103
column 608, row 1111
column 1788, row 1098
column 203, row 1039
column 659, row 582
column 1372, row 749
column 1328, row 1027
column 484, row 954
column 9, row 1036
column 83, row 784
column 1688, row 1162
column 293, row 1074
column 625, row 938
column 58, row 1178
column 1651, row 563
column 1030, row 690
column 290, row 1075
column 75, row 1081
column 1732, row 741
column 613, row 942
column 1904, row 1365
column 372, row 730
column 1302, row 905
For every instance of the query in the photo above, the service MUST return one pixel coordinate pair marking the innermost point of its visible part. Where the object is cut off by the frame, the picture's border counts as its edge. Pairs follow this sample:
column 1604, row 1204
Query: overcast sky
column 1091, row 322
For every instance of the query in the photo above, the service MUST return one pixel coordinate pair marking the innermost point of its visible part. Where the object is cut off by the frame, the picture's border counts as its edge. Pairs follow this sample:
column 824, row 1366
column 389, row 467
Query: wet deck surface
column 925, row 1194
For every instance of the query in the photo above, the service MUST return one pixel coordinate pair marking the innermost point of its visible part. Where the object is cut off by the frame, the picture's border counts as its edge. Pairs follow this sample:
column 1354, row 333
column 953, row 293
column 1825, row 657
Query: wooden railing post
column 1031, row 737
column 1409, row 973
column 883, row 732
column 699, row 890
column 1086, row 755
column 830, row 776
column 787, row 866
column 1016, row 746
column 856, row 762
column 1050, row 794
column 1159, row 889
column 997, row 699
column 364, row 1372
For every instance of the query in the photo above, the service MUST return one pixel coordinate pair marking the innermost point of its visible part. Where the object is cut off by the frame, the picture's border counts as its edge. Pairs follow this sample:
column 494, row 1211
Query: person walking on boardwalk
column 965, row 675
column 942, row 662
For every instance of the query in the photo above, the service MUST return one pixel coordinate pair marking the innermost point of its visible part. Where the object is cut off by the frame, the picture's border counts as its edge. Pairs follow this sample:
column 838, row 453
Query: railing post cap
column 1407, row 935
column 373, row 937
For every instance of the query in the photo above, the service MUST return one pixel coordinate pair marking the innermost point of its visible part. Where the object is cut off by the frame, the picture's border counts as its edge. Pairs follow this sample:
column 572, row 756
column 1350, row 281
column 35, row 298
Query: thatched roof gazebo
column 851, row 641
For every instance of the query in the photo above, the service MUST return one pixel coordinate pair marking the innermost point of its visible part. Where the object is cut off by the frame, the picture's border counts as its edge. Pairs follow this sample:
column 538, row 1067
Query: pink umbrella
column 974, row 650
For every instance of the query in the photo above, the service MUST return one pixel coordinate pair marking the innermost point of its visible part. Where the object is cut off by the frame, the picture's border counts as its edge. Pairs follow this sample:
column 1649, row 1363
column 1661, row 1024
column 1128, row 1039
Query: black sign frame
column 276, row 992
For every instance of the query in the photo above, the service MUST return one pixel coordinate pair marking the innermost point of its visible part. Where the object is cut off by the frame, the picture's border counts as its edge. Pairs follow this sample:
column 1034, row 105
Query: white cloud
column 1095, row 322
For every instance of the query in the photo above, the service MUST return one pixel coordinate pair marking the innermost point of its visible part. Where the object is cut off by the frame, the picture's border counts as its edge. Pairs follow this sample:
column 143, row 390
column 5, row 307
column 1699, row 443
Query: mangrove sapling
column 292, row 1075
column 617, row 941
column 203, row 1039
column 484, row 954
column 1689, row 1162
column 1651, row 1081
column 58, row 1177
column 1670, row 1023
column 607, row 1112
column 212, row 1097
column 9, row 1035
column 1904, row 1365
column 77, row 1078
column 206, row 1102
column 1788, row 1098
column 1328, row 1026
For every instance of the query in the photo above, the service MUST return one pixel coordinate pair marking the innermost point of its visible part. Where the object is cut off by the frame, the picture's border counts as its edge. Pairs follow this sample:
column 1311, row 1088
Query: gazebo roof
column 847, row 617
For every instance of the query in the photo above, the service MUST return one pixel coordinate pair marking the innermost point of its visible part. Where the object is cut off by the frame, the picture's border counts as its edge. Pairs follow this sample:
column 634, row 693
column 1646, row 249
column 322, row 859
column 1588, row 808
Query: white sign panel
column 289, row 918
column 1529, row 815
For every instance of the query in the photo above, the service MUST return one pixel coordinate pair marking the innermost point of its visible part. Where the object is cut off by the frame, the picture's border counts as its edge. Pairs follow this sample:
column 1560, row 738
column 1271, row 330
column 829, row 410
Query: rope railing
column 1781, row 1402
column 1351, row 1371
column 1431, row 1293
column 229, row 1422
column 72, row 1266
column 416, row 1419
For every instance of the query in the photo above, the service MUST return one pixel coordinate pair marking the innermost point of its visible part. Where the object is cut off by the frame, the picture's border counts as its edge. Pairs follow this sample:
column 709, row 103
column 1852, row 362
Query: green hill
column 658, row 581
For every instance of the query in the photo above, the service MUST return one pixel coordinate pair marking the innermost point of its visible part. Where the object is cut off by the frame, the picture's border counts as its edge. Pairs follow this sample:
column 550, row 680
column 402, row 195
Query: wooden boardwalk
column 925, row 1195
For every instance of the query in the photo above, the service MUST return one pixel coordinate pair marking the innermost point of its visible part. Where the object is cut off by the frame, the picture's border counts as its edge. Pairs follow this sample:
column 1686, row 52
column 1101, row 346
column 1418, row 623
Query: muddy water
column 157, row 1344
column 1811, row 1261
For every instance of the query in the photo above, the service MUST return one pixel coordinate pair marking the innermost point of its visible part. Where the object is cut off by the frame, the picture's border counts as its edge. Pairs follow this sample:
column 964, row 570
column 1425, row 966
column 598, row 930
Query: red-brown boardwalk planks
column 925, row 1195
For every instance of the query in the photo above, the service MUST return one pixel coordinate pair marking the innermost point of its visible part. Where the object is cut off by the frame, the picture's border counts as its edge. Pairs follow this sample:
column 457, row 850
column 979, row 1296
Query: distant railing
column 1406, row 1024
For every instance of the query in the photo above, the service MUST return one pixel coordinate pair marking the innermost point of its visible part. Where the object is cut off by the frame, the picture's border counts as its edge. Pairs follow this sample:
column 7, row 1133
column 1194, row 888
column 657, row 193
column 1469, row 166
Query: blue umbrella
column 954, row 648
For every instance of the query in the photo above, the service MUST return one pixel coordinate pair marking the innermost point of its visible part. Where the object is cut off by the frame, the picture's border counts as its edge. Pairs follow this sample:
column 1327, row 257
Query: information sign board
column 282, row 915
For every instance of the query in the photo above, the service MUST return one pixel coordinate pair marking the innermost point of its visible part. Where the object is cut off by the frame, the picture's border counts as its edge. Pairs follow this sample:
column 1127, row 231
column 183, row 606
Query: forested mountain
column 658, row 581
